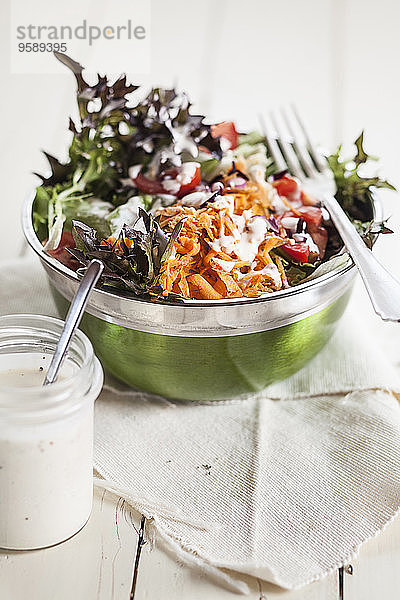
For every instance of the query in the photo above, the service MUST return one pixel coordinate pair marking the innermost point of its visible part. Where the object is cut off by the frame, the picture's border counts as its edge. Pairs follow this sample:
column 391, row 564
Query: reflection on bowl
column 200, row 349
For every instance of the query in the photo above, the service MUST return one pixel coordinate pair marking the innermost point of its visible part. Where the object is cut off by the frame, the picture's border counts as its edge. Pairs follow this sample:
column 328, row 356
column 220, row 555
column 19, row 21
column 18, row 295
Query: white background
column 88, row 19
column 337, row 59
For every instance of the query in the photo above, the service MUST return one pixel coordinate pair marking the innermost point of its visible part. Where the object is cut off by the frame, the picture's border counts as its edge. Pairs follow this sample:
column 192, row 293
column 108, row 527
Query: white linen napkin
column 284, row 485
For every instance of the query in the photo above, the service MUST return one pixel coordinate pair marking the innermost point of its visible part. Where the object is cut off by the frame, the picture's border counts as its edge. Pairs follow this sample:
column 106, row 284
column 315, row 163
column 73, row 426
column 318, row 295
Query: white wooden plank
column 96, row 564
column 161, row 576
column 376, row 573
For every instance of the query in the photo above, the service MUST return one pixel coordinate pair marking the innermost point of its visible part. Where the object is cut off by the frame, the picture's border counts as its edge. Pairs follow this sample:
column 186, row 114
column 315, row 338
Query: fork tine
column 287, row 149
column 319, row 161
column 273, row 147
column 299, row 147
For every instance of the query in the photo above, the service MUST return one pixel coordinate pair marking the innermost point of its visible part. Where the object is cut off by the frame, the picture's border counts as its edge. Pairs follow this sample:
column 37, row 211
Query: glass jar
column 46, row 433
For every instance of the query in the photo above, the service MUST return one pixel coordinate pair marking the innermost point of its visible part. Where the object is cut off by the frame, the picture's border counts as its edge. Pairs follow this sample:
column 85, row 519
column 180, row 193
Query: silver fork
column 299, row 155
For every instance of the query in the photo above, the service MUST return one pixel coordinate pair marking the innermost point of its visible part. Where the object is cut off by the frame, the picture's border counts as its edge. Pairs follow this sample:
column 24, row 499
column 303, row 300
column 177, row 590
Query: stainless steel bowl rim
column 198, row 318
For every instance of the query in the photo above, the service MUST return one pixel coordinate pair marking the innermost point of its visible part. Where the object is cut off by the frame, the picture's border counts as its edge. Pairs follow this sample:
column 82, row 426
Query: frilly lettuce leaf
column 133, row 266
column 354, row 191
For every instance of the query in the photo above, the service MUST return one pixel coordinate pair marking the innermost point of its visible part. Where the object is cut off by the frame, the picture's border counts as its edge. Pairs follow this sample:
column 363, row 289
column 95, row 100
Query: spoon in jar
column 74, row 316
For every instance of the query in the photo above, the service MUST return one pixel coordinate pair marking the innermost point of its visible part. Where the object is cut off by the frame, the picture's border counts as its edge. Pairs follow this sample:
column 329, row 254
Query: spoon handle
column 74, row 316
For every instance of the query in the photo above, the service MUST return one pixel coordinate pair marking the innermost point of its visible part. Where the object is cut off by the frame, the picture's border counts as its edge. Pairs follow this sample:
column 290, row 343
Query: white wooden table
column 98, row 563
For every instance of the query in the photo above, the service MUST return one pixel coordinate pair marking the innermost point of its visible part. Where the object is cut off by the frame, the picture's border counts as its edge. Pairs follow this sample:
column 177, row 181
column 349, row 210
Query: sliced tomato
column 298, row 252
column 149, row 186
column 320, row 237
column 285, row 186
column 226, row 130
column 194, row 182
column 61, row 254
column 311, row 214
column 156, row 186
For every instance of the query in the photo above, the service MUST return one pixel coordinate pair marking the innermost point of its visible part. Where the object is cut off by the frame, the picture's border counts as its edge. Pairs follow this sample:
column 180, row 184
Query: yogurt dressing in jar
column 46, row 433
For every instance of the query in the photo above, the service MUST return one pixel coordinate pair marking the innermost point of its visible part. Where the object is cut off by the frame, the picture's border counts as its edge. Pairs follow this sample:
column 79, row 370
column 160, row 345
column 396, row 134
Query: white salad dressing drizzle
column 185, row 176
column 257, row 174
column 195, row 199
column 126, row 214
column 277, row 203
column 307, row 239
column 226, row 265
column 290, row 223
column 311, row 244
column 172, row 186
column 134, row 171
column 250, row 231
column 270, row 270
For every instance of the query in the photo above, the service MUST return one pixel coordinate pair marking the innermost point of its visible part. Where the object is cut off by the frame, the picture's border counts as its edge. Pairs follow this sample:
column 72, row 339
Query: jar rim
column 28, row 326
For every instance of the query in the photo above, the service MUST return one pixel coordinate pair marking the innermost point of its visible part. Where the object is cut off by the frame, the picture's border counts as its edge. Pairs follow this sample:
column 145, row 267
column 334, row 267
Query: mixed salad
column 178, row 208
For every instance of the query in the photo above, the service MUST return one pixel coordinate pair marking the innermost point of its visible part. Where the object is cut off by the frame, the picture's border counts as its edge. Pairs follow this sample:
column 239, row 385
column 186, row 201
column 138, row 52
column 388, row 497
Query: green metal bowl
column 208, row 368
column 198, row 349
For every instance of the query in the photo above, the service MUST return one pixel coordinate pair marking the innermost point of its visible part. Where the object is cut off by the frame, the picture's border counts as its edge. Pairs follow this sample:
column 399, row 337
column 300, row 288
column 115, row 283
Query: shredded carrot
column 202, row 268
column 204, row 289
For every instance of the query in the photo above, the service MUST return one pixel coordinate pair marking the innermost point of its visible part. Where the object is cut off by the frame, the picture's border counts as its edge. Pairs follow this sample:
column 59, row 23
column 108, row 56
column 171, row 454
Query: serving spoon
column 74, row 316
